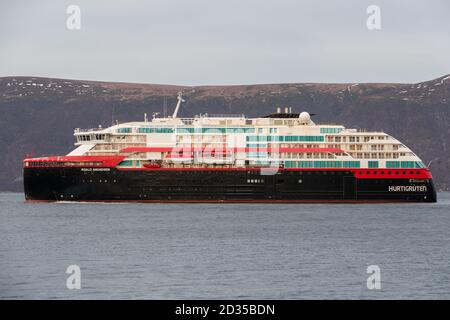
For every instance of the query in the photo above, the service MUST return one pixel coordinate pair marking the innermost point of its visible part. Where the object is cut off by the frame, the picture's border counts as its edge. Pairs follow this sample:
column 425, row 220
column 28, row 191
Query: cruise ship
column 281, row 157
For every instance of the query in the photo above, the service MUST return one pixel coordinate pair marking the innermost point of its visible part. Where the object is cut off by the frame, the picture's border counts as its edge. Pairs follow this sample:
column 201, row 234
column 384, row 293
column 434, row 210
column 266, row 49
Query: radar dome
column 304, row 117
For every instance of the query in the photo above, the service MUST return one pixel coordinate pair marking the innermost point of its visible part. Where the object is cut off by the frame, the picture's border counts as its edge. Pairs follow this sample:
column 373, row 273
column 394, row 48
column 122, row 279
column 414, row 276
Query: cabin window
column 126, row 163
column 373, row 164
column 156, row 130
column 330, row 130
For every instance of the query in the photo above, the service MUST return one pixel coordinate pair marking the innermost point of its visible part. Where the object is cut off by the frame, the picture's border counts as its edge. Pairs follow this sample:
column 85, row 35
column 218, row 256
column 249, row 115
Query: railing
column 218, row 115
column 77, row 130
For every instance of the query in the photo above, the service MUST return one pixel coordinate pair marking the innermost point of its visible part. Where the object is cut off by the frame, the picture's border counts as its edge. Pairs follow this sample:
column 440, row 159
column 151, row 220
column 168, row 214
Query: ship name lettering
column 407, row 188
column 95, row 169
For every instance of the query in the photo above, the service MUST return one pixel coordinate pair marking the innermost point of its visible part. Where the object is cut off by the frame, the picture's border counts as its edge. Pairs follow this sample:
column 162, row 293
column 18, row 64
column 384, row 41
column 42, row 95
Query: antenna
column 112, row 113
column 145, row 117
column 180, row 100
column 431, row 161
column 165, row 107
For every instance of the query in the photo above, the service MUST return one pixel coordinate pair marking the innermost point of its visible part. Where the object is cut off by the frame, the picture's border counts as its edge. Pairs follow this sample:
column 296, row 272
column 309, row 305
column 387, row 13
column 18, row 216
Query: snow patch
column 442, row 80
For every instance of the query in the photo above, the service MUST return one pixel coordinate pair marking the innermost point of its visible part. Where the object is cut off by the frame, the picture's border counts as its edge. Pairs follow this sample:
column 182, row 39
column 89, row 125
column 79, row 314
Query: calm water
column 199, row 251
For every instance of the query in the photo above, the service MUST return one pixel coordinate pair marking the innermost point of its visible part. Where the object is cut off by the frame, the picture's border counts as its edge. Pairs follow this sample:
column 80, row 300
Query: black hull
column 110, row 184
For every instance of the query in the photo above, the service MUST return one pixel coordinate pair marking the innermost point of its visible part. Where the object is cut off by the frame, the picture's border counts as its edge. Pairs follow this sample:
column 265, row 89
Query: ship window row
column 292, row 155
column 308, row 155
column 285, row 138
column 62, row 163
column 330, row 130
column 391, row 172
column 256, row 145
column 215, row 130
column 155, row 130
column 84, row 138
column 255, row 180
column 87, row 137
column 43, row 164
column 404, row 164
column 257, row 154
column 124, row 130
column 322, row 164
column 373, row 164
column 355, row 138
column 266, row 163
column 374, row 155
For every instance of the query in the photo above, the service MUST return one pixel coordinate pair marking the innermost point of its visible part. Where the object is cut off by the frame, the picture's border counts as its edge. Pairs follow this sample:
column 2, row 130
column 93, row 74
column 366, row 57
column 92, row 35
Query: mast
column 180, row 100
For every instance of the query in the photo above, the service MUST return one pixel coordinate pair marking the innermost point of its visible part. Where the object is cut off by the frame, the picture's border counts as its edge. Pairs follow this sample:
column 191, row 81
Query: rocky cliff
column 38, row 115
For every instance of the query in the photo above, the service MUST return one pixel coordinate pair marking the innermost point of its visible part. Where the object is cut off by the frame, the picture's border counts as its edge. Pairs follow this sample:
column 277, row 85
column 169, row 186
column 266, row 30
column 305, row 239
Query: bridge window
column 124, row 130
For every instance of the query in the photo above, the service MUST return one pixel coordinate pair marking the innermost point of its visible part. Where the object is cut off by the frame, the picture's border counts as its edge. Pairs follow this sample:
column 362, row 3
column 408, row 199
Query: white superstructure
column 285, row 139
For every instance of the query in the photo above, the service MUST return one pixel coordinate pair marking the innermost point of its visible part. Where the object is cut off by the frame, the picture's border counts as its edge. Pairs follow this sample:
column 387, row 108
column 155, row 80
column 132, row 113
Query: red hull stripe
column 61, row 161
column 113, row 161
column 392, row 173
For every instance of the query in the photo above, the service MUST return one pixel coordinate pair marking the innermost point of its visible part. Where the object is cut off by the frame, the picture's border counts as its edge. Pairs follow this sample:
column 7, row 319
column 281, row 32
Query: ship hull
column 112, row 184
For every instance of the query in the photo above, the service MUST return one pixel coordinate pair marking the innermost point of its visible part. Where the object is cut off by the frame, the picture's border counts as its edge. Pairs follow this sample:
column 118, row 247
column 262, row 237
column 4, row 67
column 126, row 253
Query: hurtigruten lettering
column 407, row 188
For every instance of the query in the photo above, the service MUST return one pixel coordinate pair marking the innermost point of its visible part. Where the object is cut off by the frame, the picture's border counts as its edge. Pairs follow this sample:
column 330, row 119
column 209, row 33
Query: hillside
column 38, row 115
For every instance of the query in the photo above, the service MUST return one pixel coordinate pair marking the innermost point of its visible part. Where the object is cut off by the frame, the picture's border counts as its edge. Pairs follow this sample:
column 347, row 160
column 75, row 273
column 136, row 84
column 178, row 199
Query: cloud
column 226, row 42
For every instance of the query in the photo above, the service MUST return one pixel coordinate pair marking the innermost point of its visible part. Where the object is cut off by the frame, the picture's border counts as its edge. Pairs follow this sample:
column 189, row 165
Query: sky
column 210, row 42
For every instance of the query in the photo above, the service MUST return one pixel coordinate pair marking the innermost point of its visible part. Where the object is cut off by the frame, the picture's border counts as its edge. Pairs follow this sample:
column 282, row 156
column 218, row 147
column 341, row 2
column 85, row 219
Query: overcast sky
column 193, row 42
